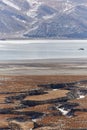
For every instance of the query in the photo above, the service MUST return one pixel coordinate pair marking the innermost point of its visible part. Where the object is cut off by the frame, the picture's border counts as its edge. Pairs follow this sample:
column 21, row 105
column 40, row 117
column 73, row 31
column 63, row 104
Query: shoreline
column 82, row 59
column 40, row 40
column 44, row 67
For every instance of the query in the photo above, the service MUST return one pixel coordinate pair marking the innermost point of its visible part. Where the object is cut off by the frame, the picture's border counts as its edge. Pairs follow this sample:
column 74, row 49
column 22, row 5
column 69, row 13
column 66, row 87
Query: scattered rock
column 81, row 49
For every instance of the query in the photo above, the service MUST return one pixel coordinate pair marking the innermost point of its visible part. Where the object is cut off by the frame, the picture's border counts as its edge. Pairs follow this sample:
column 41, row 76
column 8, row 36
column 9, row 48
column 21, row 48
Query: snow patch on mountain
column 34, row 5
column 48, row 17
column 9, row 3
column 68, row 6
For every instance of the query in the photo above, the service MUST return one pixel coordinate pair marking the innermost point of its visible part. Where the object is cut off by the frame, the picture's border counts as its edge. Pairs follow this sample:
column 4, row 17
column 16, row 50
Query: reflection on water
column 43, row 50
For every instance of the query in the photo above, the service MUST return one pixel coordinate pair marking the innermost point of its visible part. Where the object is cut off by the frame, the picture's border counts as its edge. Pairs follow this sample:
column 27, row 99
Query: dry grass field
column 43, row 102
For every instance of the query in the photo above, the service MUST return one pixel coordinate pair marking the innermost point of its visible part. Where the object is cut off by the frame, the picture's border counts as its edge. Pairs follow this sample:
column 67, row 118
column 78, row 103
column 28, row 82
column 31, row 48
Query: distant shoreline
column 70, row 60
column 44, row 67
column 39, row 41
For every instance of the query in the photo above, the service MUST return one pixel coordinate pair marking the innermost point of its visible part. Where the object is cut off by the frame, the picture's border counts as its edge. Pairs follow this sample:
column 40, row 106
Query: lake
column 42, row 49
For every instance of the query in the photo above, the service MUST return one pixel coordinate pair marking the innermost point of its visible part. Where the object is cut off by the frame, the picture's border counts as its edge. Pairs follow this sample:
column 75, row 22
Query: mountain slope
column 61, row 19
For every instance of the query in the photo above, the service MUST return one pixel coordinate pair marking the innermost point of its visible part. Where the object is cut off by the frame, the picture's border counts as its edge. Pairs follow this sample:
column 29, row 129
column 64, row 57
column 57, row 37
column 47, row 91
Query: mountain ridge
column 36, row 19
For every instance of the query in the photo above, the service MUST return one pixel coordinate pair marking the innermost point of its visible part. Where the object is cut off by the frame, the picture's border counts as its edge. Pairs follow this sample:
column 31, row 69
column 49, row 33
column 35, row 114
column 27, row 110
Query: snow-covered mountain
column 58, row 19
